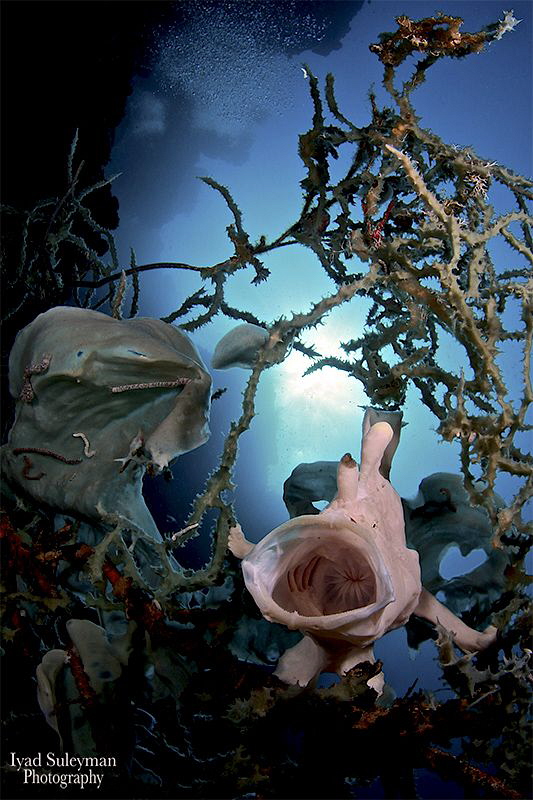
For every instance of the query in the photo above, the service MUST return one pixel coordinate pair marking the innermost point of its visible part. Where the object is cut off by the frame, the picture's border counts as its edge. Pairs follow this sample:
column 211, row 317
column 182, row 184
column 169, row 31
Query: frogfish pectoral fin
column 300, row 664
column 357, row 655
column 238, row 544
column 466, row 638
column 307, row 659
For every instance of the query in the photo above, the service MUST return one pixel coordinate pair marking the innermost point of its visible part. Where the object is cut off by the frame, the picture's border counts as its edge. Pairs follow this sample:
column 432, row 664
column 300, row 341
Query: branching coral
column 431, row 273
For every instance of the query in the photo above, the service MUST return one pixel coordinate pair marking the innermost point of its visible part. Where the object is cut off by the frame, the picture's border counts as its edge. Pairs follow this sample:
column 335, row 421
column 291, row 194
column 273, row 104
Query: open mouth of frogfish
column 329, row 580
column 322, row 566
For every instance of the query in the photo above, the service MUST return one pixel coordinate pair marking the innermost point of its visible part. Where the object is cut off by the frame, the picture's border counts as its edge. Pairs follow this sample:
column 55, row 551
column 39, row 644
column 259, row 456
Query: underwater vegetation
column 111, row 646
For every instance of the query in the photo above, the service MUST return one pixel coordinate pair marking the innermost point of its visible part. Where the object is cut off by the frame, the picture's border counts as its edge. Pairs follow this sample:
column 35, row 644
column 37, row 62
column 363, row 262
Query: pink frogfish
column 345, row 577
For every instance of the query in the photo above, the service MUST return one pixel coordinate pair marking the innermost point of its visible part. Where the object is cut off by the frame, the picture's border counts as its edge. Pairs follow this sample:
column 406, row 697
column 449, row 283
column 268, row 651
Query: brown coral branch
column 42, row 451
column 128, row 387
column 19, row 559
column 116, row 304
column 138, row 605
column 434, row 36
column 97, row 284
column 28, row 466
column 27, row 393
column 83, row 684
column 450, row 766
